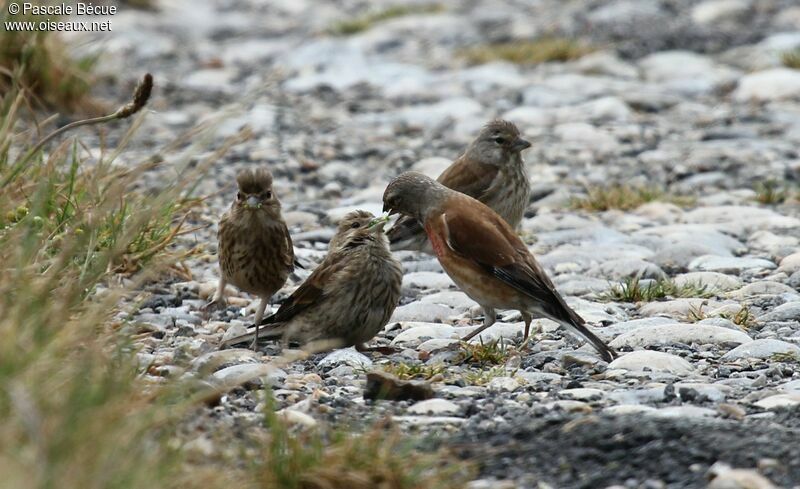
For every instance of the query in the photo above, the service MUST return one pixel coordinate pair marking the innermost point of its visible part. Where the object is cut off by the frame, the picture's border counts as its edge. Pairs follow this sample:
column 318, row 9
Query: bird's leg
column 489, row 317
column 525, row 339
column 257, row 319
column 219, row 296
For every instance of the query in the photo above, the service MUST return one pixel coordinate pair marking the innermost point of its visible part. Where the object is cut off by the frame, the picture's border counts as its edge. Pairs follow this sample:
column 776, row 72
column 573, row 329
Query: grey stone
column 729, row 264
column 679, row 333
column 641, row 360
column 765, row 348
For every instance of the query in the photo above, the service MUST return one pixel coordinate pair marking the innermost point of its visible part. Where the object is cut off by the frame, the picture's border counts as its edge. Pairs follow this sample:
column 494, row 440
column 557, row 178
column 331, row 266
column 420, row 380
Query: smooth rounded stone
column 608, row 333
column 723, row 476
column 437, row 344
column 684, row 412
column 677, row 308
column 729, row 264
column 534, row 378
column 722, row 323
column 772, row 84
column 771, row 242
column 656, row 361
column 584, row 235
column 627, row 267
column 552, row 222
column 714, row 392
column 596, row 312
column 713, row 281
column 722, row 244
column 414, row 333
column 739, row 219
column 778, row 401
column 421, row 312
column 215, row 360
column 792, row 387
column 639, row 396
column 764, row 348
column 582, row 134
column 627, row 409
column 568, row 406
column 715, row 11
column 432, row 166
column 789, row 311
column 249, row 373
column 234, row 330
column 296, row 418
column 451, row 298
column 427, row 420
column 496, row 332
column 697, row 72
column 678, row 256
column 581, row 286
column 503, row 384
column 679, row 333
column 345, row 356
column 790, row 264
column 427, row 280
column 436, row 407
column 582, row 394
column 763, row 287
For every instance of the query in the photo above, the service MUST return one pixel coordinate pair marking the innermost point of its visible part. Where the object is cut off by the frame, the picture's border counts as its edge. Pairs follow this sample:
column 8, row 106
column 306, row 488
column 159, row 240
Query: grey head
column 413, row 194
column 497, row 143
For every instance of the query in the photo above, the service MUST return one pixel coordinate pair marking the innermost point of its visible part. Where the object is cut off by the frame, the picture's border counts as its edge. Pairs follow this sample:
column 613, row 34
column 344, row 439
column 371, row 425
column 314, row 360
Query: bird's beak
column 519, row 144
column 388, row 210
column 378, row 223
column 252, row 202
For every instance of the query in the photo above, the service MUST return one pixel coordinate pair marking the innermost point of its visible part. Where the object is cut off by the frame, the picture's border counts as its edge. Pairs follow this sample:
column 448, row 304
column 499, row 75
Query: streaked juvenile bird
column 255, row 249
column 348, row 298
column 491, row 170
column 483, row 255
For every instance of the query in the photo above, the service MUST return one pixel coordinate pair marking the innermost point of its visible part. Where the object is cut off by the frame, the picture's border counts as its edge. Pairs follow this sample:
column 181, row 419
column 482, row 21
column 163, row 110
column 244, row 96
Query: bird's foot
column 215, row 304
column 383, row 350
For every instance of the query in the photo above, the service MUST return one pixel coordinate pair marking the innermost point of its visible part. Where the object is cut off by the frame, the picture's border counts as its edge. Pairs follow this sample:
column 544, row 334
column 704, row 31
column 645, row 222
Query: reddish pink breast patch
column 436, row 241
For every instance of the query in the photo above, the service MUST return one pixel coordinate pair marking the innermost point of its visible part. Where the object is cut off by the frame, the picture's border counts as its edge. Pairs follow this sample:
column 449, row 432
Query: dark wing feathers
column 469, row 177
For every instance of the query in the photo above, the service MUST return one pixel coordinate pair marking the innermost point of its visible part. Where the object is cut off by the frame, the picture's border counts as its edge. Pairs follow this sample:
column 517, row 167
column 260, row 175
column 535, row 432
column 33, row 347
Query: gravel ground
column 687, row 96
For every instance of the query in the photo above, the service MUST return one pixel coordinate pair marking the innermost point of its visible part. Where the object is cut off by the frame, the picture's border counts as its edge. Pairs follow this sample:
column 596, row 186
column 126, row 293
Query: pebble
column 764, row 348
column 679, row 333
column 657, row 361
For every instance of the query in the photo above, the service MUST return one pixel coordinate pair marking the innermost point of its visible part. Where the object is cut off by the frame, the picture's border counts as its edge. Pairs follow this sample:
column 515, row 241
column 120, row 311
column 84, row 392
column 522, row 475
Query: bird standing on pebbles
column 350, row 296
column 255, row 249
column 483, row 255
column 491, row 171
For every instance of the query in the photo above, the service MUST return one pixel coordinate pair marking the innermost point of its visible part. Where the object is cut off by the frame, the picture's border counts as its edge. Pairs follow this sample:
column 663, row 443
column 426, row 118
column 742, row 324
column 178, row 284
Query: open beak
column 378, row 223
column 519, row 144
column 252, row 202
column 388, row 210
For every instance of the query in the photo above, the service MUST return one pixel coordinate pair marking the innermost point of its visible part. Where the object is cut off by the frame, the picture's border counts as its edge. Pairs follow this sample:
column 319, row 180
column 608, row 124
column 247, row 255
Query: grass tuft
column 529, row 52
column 380, row 457
column 623, row 197
column 483, row 377
column 364, row 22
column 38, row 63
column 409, row 371
column 771, row 192
column 492, row 353
column 791, row 59
column 632, row 290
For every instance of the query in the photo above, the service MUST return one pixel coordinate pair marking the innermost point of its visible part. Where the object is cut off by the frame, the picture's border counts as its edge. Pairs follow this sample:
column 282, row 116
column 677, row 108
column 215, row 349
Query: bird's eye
column 268, row 194
column 355, row 225
column 239, row 196
column 500, row 140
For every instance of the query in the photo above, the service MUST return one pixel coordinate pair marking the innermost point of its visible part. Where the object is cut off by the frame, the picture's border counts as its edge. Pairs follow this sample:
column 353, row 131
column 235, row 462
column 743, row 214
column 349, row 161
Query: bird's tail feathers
column 270, row 333
column 606, row 352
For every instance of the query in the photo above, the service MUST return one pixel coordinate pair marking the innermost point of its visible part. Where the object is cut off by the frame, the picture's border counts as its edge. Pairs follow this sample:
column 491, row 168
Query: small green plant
column 771, row 192
column 492, row 353
column 366, row 21
column 483, row 377
column 623, row 197
column 696, row 314
column 791, row 59
column 529, row 52
column 632, row 290
column 407, row 371
column 743, row 317
column 788, row 357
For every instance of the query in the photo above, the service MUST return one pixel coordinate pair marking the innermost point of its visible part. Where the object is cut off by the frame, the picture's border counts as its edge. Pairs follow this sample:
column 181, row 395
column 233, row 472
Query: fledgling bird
column 491, row 171
column 483, row 255
column 348, row 298
column 255, row 248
